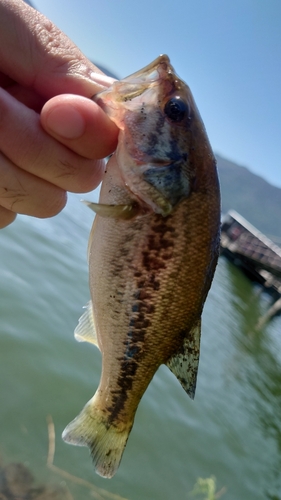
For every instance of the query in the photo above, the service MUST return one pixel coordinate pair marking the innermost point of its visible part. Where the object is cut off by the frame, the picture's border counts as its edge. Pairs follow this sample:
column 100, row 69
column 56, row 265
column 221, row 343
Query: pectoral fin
column 85, row 331
column 113, row 211
column 184, row 364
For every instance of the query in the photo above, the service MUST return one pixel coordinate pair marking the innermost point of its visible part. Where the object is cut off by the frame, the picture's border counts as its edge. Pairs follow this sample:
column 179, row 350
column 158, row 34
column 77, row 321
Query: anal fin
column 184, row 364
column 85, row 331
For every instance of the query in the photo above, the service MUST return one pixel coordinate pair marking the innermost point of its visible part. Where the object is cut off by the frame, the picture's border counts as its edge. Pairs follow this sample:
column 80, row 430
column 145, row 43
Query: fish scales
column 152, row 255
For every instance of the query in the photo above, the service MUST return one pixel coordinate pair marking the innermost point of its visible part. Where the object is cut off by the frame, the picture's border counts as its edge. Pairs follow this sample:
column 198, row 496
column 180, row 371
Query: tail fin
column 106, row 441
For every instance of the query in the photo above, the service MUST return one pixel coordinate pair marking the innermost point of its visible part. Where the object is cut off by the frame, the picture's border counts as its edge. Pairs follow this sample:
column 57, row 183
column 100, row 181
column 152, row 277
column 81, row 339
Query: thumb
column 80, row 124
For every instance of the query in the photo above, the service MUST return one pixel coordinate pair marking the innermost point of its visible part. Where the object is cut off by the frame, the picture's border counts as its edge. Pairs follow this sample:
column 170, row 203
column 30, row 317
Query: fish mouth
column 149, row 159
column 137, row 83
column 152, row 72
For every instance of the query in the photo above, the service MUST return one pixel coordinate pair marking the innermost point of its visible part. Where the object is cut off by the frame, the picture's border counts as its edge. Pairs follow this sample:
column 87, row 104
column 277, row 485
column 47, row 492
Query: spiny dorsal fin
column 85, row 331
column 184, row 364
column 113, row 211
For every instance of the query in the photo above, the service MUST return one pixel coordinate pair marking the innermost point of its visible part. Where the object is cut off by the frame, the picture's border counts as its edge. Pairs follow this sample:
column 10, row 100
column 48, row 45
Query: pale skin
column 52, row 136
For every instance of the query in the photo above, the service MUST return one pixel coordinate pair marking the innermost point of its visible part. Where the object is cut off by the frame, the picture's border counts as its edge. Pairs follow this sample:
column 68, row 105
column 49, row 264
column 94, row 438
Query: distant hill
column 252, row 196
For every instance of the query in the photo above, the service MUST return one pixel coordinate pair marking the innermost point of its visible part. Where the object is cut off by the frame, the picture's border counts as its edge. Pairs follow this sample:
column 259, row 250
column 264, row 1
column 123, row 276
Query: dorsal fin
column 184, row 364
column 85, row 331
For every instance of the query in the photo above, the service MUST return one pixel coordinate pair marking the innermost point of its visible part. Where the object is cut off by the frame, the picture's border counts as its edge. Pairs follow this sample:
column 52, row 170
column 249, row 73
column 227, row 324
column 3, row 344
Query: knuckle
column 6, row 217
column 47, row 203
column 63, row 55
column 11, row 198
column 51, row 206
column 90, row 177
column 79, row 177
column 4, row 107
column 66, row 169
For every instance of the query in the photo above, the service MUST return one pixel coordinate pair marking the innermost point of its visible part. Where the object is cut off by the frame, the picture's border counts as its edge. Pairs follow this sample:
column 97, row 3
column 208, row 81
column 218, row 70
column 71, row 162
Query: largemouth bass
column 153, row 250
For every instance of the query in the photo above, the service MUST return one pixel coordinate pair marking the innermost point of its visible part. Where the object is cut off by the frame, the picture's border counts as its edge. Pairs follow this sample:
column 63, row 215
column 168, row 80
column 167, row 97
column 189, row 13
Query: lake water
column 232, row 429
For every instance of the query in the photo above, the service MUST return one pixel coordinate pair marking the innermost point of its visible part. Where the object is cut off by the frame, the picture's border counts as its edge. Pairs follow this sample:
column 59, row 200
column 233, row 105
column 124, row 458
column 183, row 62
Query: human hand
column 41, row 158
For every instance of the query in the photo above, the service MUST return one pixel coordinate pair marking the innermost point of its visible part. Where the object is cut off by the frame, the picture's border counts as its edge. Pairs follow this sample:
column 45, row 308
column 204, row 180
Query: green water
column 233, row 428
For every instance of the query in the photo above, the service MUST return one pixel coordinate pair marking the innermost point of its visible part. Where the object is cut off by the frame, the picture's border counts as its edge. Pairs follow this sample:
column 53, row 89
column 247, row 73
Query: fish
column 153, row 250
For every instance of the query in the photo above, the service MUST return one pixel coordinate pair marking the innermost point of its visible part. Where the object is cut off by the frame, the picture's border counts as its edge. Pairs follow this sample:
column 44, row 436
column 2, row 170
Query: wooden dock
column 256, row 254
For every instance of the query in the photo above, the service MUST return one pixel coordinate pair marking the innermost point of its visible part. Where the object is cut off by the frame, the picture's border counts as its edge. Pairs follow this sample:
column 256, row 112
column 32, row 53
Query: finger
column 45, row 58
column 27, row 145
column 80, row 124
column 22, row 192
column 6, row 217
column 27, row 97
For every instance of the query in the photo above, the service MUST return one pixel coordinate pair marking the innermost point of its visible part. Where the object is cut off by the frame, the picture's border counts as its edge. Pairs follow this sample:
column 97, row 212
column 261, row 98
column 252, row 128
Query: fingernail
column 102, row 79
column 66, row 121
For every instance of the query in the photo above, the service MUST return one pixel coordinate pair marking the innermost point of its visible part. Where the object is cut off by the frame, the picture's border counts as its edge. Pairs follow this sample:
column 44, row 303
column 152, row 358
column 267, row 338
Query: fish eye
column 176, row 109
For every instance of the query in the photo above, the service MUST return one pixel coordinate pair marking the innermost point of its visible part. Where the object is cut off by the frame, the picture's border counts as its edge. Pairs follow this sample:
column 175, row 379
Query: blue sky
column 229, row 53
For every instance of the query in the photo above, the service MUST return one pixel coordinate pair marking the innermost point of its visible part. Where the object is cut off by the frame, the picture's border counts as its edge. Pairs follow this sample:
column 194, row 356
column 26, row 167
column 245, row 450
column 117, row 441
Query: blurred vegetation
column 17, row 482
column 207, row 487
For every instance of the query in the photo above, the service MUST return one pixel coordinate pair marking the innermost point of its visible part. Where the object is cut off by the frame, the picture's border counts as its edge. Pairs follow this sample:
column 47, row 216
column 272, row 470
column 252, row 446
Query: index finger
column 41, row 56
